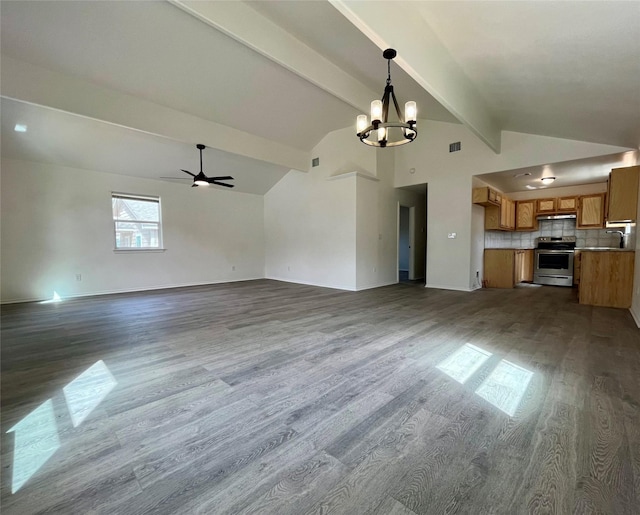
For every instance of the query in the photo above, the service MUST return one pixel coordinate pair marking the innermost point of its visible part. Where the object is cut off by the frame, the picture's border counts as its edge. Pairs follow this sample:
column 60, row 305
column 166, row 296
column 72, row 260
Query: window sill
column 128, row 251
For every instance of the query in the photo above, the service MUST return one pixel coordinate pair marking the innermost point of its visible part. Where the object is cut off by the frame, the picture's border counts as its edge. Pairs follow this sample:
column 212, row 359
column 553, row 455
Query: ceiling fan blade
column 225, row 178
column 211, row 181
column 187, row 171
column 194, row 185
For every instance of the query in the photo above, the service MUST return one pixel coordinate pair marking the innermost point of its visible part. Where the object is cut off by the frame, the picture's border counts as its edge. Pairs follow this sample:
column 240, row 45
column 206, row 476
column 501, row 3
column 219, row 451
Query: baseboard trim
column 131, row 290
column 443, row 287
column 306, row 283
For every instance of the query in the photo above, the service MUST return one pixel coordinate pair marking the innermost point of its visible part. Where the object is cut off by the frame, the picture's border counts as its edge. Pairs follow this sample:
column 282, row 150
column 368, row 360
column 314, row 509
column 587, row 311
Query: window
column 136, row 221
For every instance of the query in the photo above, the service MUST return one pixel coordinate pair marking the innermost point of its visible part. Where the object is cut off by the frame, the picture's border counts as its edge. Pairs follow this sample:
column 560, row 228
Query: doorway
column 405, row 244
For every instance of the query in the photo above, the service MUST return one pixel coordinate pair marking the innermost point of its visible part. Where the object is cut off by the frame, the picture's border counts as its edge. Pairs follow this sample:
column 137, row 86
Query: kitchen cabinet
column 526, row 215
column 500, row 218
column 622, row 205
column 486, row 197
column 504, row 268
column 591, row 211
column 508, row 214
column 577, row 267
column 546, row 205
column 567, row 204
column 606, row 278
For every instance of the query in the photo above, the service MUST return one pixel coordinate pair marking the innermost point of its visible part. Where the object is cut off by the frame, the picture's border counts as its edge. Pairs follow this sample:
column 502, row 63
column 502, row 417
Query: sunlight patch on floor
column 464, row 362
column 85, row 392
column 36, row 440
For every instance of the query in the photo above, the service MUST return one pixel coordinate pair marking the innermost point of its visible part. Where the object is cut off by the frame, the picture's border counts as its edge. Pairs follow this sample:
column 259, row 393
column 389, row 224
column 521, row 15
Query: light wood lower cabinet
column 504, row 268
column 606, row 278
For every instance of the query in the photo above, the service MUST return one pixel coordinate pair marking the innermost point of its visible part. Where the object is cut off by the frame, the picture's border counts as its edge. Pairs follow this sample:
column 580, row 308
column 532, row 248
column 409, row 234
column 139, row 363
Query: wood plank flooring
column 264, row 397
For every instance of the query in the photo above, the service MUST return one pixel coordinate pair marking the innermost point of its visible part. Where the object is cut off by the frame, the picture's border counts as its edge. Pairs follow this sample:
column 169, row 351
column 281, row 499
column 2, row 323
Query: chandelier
column 382, row 132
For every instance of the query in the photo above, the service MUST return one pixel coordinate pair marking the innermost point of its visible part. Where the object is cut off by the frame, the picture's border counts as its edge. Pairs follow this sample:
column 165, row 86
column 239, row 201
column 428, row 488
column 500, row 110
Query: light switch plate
column 451, row 235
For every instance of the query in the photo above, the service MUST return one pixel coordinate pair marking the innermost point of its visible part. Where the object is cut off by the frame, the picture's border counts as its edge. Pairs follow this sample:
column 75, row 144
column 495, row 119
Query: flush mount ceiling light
column 382, row 132
column 547, row 180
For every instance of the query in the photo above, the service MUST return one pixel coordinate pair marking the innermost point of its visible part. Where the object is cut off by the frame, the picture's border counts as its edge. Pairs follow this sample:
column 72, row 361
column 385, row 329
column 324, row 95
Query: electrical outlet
column 78, row 277
column 451, row 235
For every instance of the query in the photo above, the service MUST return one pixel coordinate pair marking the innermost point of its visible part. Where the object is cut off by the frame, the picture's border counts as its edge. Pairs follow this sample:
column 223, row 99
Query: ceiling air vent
column 455, row 147
column 315, row 161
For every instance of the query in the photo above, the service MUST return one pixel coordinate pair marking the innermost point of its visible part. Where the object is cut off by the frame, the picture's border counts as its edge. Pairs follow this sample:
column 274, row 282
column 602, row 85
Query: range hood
column 557, row 217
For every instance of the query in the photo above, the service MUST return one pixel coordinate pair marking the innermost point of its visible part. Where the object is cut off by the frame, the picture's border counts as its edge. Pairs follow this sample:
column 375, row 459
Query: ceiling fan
column 201, row 179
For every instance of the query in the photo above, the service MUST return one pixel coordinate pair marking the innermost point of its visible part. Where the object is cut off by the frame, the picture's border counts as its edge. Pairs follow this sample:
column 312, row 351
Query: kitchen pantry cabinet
column 504, row 268
column 526, row 215
column 591, row 211
column 622, row 205
column 606, row 278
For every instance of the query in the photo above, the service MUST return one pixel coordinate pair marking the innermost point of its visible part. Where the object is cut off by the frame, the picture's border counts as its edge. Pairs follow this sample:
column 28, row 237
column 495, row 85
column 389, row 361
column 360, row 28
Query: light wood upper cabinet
column 591, row 211
column 526, row 215
column 623, row 194
column 567, row 204
column 546, row 205
column 507, row 214
column 486, row 196
column 500, row 218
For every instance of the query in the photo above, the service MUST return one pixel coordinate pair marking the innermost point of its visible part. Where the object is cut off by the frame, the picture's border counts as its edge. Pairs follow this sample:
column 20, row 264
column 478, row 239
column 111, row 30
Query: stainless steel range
column 553, row 262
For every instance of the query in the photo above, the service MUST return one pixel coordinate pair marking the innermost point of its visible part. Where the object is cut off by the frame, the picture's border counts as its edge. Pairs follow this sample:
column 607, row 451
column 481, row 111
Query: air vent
column 455, row 147
column 315, row 161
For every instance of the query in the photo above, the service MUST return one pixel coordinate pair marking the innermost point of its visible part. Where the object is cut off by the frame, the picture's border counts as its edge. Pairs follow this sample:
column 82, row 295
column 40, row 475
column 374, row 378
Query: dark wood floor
column 266, row 397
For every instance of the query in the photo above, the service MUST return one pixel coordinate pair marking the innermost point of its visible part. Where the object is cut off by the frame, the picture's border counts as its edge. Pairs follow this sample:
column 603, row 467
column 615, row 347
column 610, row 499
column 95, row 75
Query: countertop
column 588, row 249
column 603, row 249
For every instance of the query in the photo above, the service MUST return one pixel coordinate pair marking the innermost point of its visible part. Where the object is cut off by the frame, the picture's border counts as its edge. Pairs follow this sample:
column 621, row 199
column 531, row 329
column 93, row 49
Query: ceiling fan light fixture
column 547, row 180
column 385, row 133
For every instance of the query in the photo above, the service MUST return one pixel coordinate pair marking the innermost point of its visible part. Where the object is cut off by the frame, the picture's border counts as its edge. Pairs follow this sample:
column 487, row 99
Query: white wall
column 336, row 225
column 377, row 224
column 635, row 304
column 310, row 218
column 57, row 222
column 449, row 261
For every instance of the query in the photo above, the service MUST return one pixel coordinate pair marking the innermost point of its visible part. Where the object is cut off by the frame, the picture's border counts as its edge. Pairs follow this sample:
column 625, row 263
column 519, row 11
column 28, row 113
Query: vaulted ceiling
column 262, row 82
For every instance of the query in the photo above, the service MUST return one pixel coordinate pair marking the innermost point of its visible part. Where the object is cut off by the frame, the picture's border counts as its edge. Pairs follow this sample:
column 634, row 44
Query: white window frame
column 148, row 198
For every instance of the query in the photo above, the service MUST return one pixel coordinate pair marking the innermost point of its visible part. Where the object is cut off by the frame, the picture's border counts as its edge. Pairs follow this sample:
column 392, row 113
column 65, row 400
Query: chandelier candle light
column 383, row 132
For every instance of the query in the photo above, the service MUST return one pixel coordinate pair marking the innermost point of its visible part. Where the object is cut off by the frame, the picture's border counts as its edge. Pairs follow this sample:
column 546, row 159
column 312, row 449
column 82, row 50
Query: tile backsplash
column 584, row 237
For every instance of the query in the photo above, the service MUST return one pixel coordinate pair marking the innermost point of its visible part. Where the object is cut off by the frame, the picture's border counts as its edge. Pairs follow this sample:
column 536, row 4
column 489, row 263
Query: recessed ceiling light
column 547, row 180
column 20, row 127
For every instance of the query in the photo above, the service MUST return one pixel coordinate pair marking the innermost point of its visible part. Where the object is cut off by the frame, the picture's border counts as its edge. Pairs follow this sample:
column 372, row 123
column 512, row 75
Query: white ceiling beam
column 247, row 26
column 36, row 85
column 423, row 56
